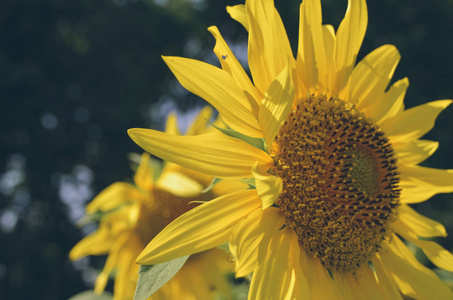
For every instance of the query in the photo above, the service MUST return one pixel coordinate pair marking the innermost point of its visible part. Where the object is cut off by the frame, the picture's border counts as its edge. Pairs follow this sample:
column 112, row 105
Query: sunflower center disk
column 340, row 182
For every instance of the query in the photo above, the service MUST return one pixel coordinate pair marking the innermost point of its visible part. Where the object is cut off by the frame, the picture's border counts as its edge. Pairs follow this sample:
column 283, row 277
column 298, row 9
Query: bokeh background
column 75, row 75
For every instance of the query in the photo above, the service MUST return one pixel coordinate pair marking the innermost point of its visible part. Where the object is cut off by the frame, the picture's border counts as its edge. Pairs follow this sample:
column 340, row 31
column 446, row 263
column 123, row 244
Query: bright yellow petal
column 268, row 187
column 144, row 176
column 171, row 125
column 212, row 153
column 348, row 286
column 276, row 105
column 416, row 151
column 419, row 224
column 420, row 183
column 275, row 277
column 206, row 226
column 198, row 126
column 436, row 253
column 269, row 50
column 313, row 16
column 250, row 238
column 306, row 61
column 127, row 270
column 413, row 279
column 350, row 35
column 321, row 284
column 179, row 184
column 218, row 88
column 239, row 14
column 390, row 103
column 233, row 67
column 113, row 196
column 386, row 283
column 372, row 75
column 413, row 123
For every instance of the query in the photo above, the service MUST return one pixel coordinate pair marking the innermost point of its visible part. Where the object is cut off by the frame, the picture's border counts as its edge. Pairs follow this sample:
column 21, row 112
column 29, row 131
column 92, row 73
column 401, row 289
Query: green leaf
column 152, row 278
column 90, row 295
column 250, row 182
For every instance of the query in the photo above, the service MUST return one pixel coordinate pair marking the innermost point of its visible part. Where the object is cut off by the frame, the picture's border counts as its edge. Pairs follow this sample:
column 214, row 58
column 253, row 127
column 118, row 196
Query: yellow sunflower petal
column 313, row 16
column 233, row 67
column 413, row 279
column 179, row 184
column 321, row 284
column 276, row 105
column 349, row 288
column 413, row 123
column 127, row 271
column 212, row 153
column 250, row 238
column 198, row 126
column 390, row 103
column 436, row 253
column 201, row 228
column 143, row 177
column 420, row 183
column 268, row 187
column 386, row 283
column 218, row 88
column 239, row 14
column 113, row 196
column 416, row 151
column 350, row 35
column 275, row 277
column 419, row 224
column 372, row 75
column 97, row 243
column 306, row 61
column 171, row 125
column 269, row 50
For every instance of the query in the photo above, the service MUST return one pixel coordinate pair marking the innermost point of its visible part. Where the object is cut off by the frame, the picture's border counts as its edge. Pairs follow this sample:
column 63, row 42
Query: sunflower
column 331, row 156
column 132, row 214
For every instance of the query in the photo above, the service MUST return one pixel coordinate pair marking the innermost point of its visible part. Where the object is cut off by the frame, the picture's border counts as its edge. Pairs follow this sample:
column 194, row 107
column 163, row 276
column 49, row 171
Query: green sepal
column 250, row 182
column 152, row 278
column 255, row 142
column 213, row 182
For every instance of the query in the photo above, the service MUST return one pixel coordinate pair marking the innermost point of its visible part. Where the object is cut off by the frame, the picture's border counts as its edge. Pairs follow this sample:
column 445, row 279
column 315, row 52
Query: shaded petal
column 419, row 224
column 97, row 243
column 416, row 151
column 372, row 75
column 276, row 105
column 269, row 50
column 275, row 276
column 113, row 196
column 144, row 176
column 320, row 283
column 199, row 125
column 250, row 238
column 421, row 183
column 348, row 286
column 389, row 104
column 386, row 283
column 206, row 226
column 234, row 68
column 212, row 153
column 413, row 279
column 350, row 35
column 436, row 253
column 218, row 88
column 239, row 14
column 268, row 187
column 414, row 122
